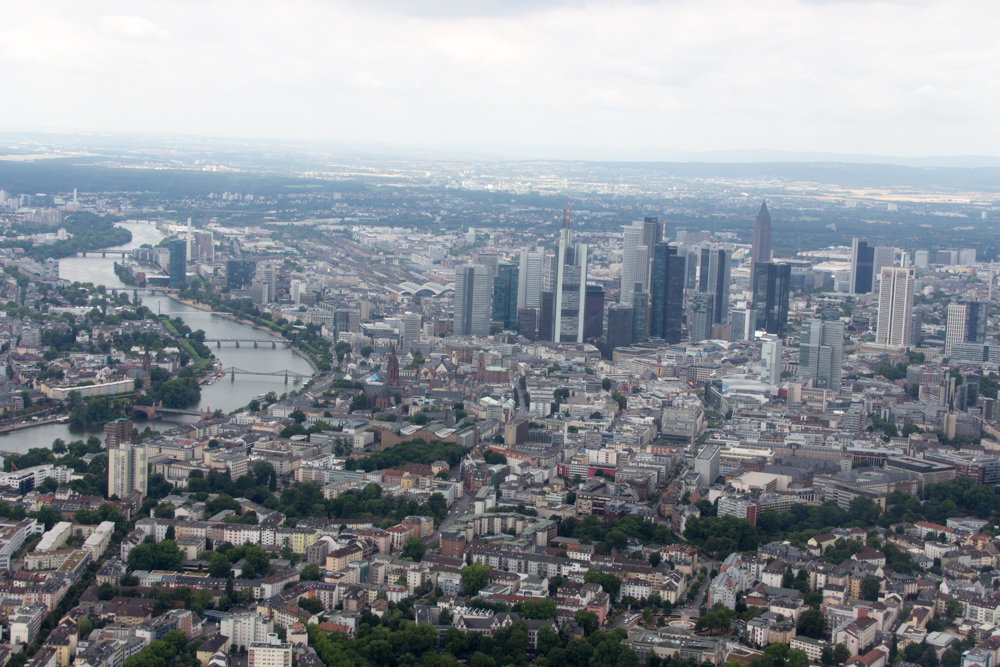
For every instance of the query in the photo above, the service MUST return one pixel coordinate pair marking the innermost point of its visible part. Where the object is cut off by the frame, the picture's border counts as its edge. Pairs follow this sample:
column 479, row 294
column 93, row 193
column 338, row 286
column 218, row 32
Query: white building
column 707, row 464
column 270, row 653
column 770, row 361
column 246, row 628
column 895, row 308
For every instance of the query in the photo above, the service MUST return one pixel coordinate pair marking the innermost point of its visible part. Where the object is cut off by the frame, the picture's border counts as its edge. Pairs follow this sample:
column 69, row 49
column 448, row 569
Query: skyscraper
column 240, row 273
column 505, row 287
column 126, row 462
column 770, row 361
column 771, row 288
column 472, row 301
column 966, row 323
column 702, row 307
column 821, row 353
column 570, row 288
column 178, row 263
column 666, row 294
column 619, row 332
column 527, row 323
column 895, row 308
column 547, row 316
column 635, row 261
column 744, row 324
column 640, row 317
column 760, row 251
column 638, row 241
column 715, row 278
column 117, row 433
column 529, row 279
column 884, row 256
column 862, row 266
column 593, row 312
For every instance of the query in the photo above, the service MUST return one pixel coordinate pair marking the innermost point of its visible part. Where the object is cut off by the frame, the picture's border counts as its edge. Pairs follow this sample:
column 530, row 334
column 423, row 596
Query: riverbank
column 239, row 320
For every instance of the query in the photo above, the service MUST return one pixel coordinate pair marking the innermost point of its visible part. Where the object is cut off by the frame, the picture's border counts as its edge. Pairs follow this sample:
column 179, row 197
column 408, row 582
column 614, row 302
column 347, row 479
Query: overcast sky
column 892, row 78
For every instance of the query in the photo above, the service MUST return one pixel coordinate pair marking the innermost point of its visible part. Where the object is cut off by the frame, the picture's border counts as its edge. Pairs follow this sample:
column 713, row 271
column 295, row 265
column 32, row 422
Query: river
column 225, row 394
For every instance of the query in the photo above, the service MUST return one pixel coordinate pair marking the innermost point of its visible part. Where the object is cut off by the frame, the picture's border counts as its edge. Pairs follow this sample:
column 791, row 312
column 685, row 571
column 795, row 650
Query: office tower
column 549, row 268
column 529, row 279
column 862, row 265
column 947, row 257
column 760, row 251
column 472, row 301
column 547, row 316
column 635, row 261
column 883, row 256
column 240, row 273
column 178, row 264
column 770, row 297
column 706, row 464
column 266, row 273
column 895, row 308
column 966, row 323
column 571, row 287
column 505, row 287
column 744, row 324
column 593, row 312
column 770, row 361
column 411, row 330
column 296, row 289
column 666, row 294
column 619, row 334
column 117, row 433
column 205, row 243
column 527, row 323
column 714, row 277
column 921, row 259
column 691, row 260
column 260, row 292
column 640, row 316
column 821, row 353
column 967, row 257
column 652, row 232
column 490, row 260
column 702, row 316
column 190, row 242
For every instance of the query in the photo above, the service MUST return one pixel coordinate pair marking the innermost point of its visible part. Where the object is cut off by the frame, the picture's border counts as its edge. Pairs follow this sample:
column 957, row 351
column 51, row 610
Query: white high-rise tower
column 895, row 307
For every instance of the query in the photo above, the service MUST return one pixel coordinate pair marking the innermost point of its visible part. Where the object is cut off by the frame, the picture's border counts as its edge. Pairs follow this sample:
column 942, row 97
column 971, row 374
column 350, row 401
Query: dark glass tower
column 667, row 294
column 178, row 263
column 771, row 288
column 593, row 312
column 505, row 295
column 862, row 266
column 240, row 273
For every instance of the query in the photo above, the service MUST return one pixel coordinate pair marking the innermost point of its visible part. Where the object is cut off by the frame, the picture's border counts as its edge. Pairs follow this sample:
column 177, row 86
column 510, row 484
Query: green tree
column 587, row 620
column 841, row 654
column 414, row 549
column 811, row 624
column 870, row 588
column 475, row 577
column 218, row 565
column 311, row 573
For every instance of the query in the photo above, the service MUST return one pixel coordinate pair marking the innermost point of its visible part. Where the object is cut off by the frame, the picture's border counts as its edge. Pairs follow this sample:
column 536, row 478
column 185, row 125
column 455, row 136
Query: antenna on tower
column 566, row 211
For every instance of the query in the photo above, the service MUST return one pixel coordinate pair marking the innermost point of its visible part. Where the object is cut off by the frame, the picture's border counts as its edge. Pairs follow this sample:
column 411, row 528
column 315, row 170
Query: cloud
column 133, row 27
column 862, row 77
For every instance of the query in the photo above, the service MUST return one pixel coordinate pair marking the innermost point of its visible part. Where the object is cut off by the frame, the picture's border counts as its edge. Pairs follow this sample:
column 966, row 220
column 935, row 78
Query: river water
column 225, row 394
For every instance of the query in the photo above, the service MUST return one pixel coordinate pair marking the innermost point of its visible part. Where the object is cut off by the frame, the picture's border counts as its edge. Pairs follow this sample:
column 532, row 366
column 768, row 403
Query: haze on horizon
column 884, row 78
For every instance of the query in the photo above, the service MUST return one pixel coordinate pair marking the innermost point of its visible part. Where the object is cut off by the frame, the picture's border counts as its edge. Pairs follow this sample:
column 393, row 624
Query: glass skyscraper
column 505, row 295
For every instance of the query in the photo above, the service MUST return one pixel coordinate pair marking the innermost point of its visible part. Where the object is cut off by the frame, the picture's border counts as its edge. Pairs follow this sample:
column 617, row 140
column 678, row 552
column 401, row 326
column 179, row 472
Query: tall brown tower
column 117, row 433
column 761, row 249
